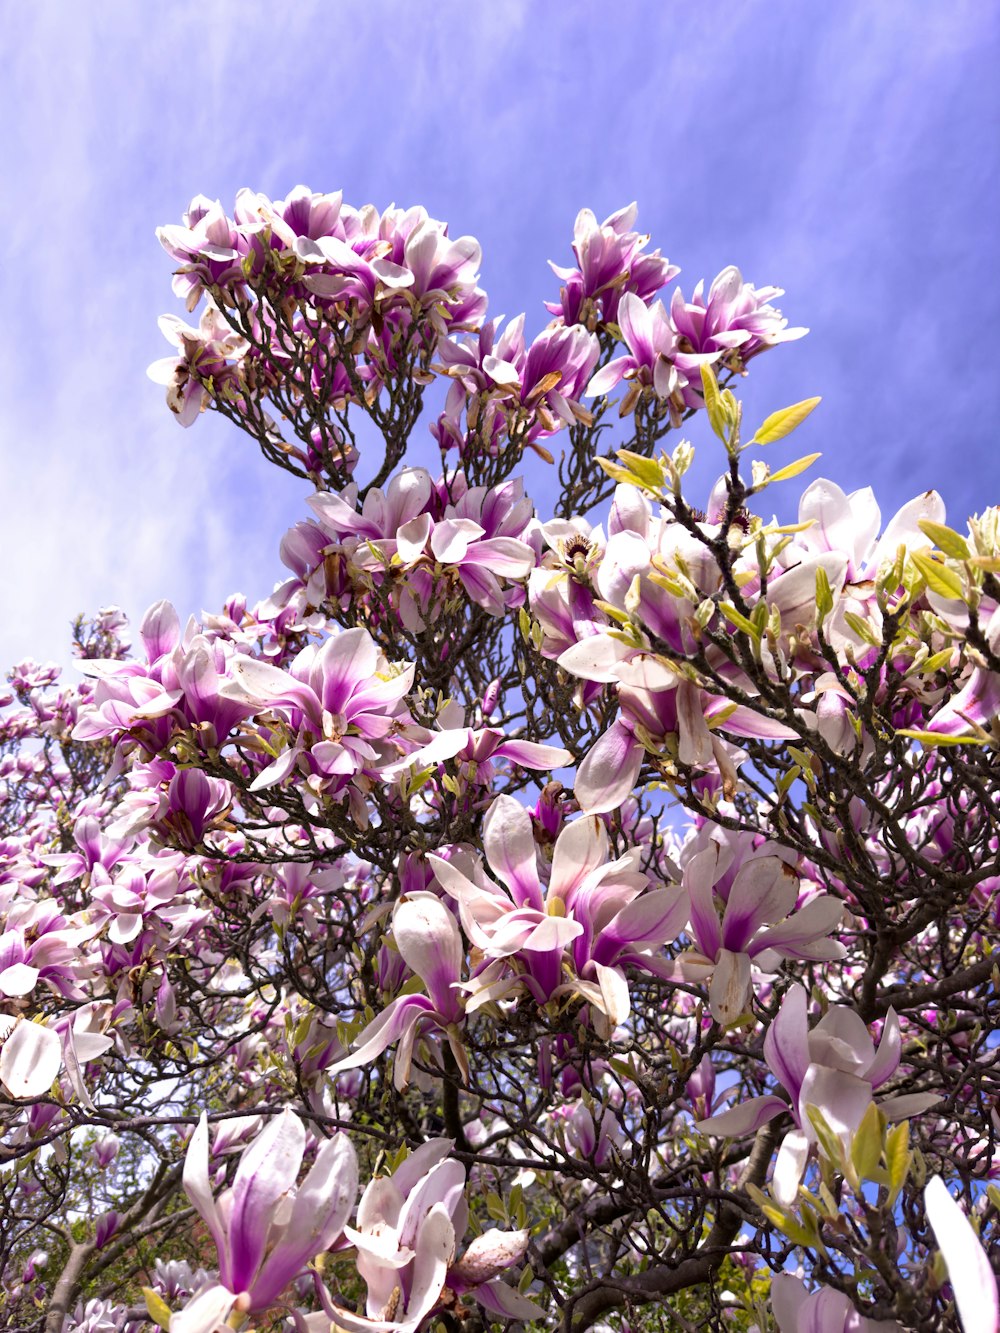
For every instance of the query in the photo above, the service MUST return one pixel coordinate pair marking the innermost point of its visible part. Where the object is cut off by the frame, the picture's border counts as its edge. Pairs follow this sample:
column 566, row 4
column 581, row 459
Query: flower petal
column 608, row 773
column 207, row 1312
column 428, row 939
column 509, row 843
column 30, row 1059
column 746, row 1118
column 969, row 1272
column 266, row 1172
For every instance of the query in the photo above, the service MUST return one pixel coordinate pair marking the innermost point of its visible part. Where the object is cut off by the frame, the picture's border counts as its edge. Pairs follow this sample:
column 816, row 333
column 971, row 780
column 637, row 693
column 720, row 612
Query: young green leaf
column 648, row 470
column 159, row 1311
column 713, row 403
column 945, row 539
column 793, row 469
column 782, row 423
column 866, row 1149
column 938, row 577
column 898, row 1158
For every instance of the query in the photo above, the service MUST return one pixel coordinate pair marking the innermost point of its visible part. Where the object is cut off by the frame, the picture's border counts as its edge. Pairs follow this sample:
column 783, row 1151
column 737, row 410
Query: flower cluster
column 266, row 1228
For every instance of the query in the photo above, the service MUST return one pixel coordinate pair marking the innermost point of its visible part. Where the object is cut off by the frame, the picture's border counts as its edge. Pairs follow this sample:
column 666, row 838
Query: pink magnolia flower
column 193, row 805
column 371, row 260
column 595, row 1142
column 428, row 939
column 835, row 1068
column 652, row 357
column 210, row 353
column 480, row 561
column 302, row 213
column 136, row 896
column 563, row 605
column 340, row 700
column 384, row 520
column 547, row 378
column 39, row 943
column 660, row 709
column 445, row 272
column 849, row 526
column 757, row 926
column 475, row 532
column 595, row 913
column 475, row 751
column 207, row 246
column 266, row 1228
column 610, row 264
column 407, row 1232
column 734, row 323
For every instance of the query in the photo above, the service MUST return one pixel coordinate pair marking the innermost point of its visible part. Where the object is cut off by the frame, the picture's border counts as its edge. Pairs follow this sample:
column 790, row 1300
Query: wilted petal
column 489, row 1255
column 730, row 991
column 596, row 657
column 694, row 737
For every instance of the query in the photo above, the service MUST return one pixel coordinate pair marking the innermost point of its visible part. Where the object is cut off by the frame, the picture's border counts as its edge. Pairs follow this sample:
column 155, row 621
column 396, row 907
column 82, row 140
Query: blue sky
column 846, row 151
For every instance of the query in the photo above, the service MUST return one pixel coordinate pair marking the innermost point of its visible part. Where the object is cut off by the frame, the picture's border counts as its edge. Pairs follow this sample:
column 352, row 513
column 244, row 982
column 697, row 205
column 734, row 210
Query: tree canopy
column 562, row 898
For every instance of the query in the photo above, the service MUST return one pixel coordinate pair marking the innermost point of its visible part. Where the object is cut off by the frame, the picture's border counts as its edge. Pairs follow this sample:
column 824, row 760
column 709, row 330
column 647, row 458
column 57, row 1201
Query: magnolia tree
column 575, row 908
